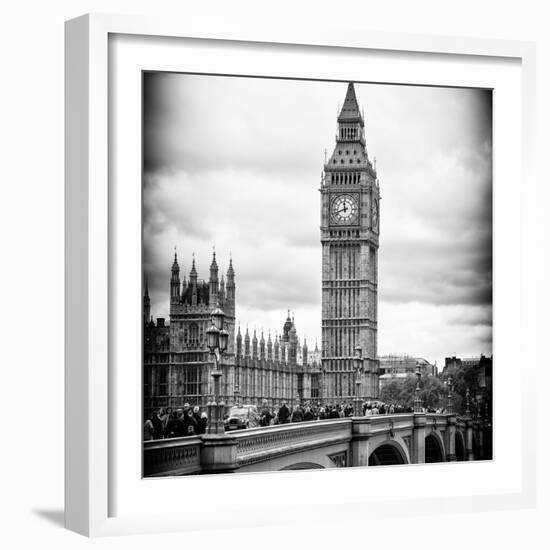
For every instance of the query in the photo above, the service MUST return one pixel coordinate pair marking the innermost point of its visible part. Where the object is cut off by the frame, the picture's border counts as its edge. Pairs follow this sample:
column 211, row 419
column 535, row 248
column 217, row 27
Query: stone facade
column 176, row 359
column 350, row 199
column 278, row 369
column 178, row 365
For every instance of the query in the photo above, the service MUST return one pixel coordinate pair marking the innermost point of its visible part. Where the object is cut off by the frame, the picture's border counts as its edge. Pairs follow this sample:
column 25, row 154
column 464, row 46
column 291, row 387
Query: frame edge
column 77, row 449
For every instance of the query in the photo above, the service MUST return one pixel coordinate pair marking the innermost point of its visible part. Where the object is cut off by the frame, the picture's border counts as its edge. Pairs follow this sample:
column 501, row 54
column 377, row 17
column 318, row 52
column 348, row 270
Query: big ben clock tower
column 350, row 199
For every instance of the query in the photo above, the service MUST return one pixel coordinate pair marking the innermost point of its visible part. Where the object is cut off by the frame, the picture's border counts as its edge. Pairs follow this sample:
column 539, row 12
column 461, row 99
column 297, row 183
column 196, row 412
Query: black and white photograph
column 279, row 247
column 317, row 274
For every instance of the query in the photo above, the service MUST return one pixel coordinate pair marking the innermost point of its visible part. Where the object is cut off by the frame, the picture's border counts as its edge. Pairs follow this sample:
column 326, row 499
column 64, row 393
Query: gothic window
column 194, row 334
column 192, row 380
column 163, row 381
column 147, row 382
column 314, row 386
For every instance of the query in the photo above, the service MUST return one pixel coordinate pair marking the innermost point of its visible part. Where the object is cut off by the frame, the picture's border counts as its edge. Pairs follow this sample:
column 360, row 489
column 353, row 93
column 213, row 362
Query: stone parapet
column 219, row 454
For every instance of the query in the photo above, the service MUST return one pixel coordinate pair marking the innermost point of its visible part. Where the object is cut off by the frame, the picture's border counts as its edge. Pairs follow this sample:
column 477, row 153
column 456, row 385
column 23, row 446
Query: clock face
column 344, row 209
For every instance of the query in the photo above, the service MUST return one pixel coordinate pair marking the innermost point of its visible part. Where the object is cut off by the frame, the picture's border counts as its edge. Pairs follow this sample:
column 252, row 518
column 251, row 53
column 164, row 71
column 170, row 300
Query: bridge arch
column 303, row 466
column 388, row 453
column 460, row 447
column 435, row 451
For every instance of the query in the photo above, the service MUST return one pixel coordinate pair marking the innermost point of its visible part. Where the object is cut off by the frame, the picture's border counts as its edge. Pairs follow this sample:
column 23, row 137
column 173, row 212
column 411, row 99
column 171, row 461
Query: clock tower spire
column 350, row 198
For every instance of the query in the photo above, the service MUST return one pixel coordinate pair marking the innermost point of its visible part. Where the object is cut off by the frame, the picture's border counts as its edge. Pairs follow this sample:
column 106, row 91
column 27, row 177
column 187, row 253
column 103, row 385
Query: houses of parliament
column 177, row 363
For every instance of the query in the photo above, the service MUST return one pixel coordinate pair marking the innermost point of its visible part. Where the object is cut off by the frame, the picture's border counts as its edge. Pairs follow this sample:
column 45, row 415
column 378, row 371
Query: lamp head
column 213, row 337
column 223, row 339
column 218, row 317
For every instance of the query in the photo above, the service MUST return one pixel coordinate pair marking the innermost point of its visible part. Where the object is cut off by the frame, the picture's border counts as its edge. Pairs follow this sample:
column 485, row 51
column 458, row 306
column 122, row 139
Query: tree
column 432, row 392
column 391, row 391
column 464, row 378
column 401, row 391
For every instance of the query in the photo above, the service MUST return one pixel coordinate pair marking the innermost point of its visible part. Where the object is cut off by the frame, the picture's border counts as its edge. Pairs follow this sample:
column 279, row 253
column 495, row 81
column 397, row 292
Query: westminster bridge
column 411, row 438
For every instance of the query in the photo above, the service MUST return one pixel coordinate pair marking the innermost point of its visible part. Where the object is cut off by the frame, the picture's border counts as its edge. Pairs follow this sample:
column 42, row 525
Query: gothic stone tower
column 191, row 303
column 350, row 198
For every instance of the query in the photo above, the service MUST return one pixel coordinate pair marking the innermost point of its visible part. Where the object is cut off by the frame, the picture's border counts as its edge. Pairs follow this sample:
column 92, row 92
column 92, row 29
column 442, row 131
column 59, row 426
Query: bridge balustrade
column 267, row 443
column 176, row 456
column 354, row 438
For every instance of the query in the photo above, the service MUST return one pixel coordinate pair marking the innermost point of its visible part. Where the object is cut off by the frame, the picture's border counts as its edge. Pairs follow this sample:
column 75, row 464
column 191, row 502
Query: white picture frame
column 104, row 55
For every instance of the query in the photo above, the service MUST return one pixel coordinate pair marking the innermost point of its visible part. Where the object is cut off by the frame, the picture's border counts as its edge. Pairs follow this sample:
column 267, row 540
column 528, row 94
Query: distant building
column 483, row 365
column 482, row 394
column 394, row 367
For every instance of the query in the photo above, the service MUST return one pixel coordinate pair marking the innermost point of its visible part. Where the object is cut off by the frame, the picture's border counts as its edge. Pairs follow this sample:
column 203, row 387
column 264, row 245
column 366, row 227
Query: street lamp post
column 450, row 396
column 324, row 389
column 358, row 360
column 236, row 393
column 417, row 401
column 468, row 402
column 217, row 340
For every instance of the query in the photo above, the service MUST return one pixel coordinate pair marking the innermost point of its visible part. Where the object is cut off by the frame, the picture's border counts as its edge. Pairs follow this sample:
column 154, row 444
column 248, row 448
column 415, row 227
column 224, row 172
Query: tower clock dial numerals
column 344, row 209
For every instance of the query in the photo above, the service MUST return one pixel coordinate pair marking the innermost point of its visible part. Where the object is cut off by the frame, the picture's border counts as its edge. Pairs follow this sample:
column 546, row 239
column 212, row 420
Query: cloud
column 236, row 163
column 193, row 124
column 435, row 332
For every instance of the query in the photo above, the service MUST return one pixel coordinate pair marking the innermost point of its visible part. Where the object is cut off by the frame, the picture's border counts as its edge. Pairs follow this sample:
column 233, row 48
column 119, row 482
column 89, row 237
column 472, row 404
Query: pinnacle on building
column 146, row 303
column 193, row 273
column 213, row 281
column 350, row 112
column 175, row 280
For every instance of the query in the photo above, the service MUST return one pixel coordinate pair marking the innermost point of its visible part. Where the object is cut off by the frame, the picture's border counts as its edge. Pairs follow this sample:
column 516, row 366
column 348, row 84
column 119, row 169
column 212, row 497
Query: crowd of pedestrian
column 306, row 412
column 166, row 423
column 318, row 411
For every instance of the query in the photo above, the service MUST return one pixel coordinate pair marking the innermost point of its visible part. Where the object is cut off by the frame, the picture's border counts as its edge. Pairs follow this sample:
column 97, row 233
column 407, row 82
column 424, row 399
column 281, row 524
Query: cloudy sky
column 236, row 163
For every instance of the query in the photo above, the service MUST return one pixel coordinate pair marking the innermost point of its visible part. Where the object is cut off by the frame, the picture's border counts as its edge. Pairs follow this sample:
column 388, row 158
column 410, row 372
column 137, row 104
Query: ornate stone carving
column 340, row 459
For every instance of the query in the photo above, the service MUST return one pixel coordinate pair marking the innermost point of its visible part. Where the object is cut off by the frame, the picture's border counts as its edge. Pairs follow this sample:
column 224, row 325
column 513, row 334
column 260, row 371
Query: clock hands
column 345, row 209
